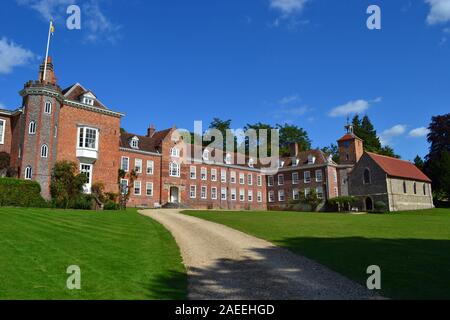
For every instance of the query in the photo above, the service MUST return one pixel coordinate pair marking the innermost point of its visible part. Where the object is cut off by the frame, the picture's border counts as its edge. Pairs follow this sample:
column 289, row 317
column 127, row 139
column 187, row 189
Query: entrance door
column 86, row 169
column 174, row 195
column 369, row 204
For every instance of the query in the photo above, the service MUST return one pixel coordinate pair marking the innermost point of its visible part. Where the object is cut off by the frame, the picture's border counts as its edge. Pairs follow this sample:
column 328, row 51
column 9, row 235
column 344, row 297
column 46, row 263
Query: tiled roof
column 349, row 136
column 74, row 92
column 303, row 158
column 399, row 168
column 148, row 144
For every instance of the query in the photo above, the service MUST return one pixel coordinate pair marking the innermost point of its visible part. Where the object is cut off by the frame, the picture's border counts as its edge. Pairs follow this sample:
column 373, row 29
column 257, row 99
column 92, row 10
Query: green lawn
column 122, row 255
column 412, row 248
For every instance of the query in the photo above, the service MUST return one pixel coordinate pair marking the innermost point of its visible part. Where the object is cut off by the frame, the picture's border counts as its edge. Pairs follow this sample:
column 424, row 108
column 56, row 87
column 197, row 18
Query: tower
column 351, row 147
column 39, row 128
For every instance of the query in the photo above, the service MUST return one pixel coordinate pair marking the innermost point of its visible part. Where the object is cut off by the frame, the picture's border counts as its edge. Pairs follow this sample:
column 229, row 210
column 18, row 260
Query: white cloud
column 94, row 22
column 289, row 99
column 390, row 133
column 439, row 11
column 419, row 132
column 351, row 107
column 288, row 7
column 13, row 55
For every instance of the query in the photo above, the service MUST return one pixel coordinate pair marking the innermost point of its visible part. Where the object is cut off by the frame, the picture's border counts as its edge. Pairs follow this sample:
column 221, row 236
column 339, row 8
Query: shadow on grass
column 410, row 268
column 169, row 286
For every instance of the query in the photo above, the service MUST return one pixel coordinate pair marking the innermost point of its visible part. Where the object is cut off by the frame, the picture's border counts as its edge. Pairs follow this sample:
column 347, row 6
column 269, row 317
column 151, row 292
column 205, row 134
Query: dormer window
column 251, row 163
column 280, row 164
column 295, row 161
column 228, row 158
column 311, row 159
column 88, row 99
column 134, row 143
column 206, row 155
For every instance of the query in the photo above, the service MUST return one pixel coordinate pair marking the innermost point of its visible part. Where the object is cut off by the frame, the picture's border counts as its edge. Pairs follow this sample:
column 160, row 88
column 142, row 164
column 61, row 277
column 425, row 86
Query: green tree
column 222, row 126
column 66, row 183
column 260, row 141
column 332, row 150
column 292, row 133
column 418, row 161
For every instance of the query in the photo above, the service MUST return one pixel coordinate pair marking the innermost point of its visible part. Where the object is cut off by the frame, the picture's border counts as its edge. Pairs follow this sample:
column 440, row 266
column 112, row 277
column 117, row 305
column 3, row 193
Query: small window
column 250, row 195
column 28, row 173
column 125, row 164
column 2, row 131
column 295, row 179
column 149, row 189
column 204, row 193
column 281, row 196
column 270, row 181
column 319, row 176
column 424, row 189
column 174, row 152
column 223, row 194
column 367, row 176
column 48, row 107
column 311, row 159
column 204, row 174
column 123, row 186
column 44, row 151
column 404, row 187
column 32, row 128
column 138, row 165
column 150, row 165
column 415, row 188
column 233, row 177
column 214, row 175
column 281, row 179
column 137, row 188
column 295, row 194
column 250, row 179
column 241, row 178
column 259, row 196
column 233, row 194
column 193, row 172
column 223, row 176
column 259, row 181
column 271, row 196
column 134, row 143
column 174, row 169
column 192, row 192
column 88, row 138
column 319, row 192
column 241, row 195
column 214, row 193
column 307, row 176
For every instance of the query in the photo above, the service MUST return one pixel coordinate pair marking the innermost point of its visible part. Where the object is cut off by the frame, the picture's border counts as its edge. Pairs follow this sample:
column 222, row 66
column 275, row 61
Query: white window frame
column 307, row 176
column 241, row 178
column 44, row 151
column 122, row 164
column 295, row 194
column 281, row 179
column 270, row 181
column 175, row 152
column 32, row 128
column 259, row 181
column 214, row 193
column 2, row 131
column 307, row 191
column 193, row 191
column 223, row 193
column 150, row 167
column 174, row 167
column 223, row 176
column 88, row 185
column 250, row 195
column 204, row 173
column 233, row 195
column 320, row 194
column 295, row 178
column 259, row 197
column 134, row 144
column 319, row 173
column 136, row 162
column 241, row 195
column 122, row 185
column 281, row 196
column 250, row 179
column 28, row 174
column 204, row 192
column 137, row 183
column 214, row 175
column 83, row 142
column 233, row 176
column 48, row 107
column 149, row 186
column 271, row 196
column 193, row 172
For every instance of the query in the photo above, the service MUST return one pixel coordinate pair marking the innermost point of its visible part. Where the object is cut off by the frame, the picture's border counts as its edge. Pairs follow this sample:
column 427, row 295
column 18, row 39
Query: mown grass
column 411, row 248
column 122, row 255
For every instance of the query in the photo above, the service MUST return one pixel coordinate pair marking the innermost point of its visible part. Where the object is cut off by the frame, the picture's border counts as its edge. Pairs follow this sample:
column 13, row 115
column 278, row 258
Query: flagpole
column 46, row 53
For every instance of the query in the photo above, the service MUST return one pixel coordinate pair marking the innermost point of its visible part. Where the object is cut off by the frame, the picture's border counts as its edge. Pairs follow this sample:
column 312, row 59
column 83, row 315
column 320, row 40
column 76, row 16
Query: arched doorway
column 369, row 204
column 174, row 195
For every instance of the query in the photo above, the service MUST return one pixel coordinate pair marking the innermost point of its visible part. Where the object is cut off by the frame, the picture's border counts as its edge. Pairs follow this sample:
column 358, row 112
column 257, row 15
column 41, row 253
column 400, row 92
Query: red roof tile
column 399, row 168
column 349, row 136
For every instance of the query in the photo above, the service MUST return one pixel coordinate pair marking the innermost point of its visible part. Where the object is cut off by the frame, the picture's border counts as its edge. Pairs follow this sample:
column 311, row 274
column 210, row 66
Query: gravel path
column 224, row 263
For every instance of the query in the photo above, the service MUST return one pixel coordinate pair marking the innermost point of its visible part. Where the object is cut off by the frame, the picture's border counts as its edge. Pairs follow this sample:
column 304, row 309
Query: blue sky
column 306, row 62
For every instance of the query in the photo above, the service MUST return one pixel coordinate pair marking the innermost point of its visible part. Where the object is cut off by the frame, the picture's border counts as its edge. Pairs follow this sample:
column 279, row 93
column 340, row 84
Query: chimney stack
column 50, row 73
column 151, row 131
column 294, row 149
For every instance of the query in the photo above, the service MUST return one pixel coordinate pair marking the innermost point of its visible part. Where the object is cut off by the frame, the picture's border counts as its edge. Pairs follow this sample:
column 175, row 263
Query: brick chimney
column 151, row 131
column 50, row 73
column 294, row 149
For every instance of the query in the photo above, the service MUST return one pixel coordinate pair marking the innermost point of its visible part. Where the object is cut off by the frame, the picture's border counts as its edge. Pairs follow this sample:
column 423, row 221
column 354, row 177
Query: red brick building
column 55, row 124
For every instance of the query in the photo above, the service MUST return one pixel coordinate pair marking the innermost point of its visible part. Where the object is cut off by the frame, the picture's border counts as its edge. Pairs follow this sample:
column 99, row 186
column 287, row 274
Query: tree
column 332, row 150
column 439, row 136
column 292, row 133
column 259, row 143
column 418, row 161
column 125, row 191
column 388, row 151
column 66, row 184
column 222, row 126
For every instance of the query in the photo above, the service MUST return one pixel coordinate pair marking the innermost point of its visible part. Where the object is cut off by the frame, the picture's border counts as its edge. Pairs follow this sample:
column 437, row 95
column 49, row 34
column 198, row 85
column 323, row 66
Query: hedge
column 20, row 193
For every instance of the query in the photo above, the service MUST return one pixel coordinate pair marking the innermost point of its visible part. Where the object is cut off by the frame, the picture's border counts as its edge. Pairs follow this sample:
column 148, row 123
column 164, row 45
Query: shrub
column 111, row 205
column 342, row 203
column 380, row 206
column 66, row 185
column 98, row 190
column 82, row 202
column 20, row 193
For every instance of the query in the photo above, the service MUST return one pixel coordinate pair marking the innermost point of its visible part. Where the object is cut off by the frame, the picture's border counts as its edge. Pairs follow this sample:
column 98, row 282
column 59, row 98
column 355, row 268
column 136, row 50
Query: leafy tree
column 292, row 133
column 439, row 136
column 388, row 151
column 66, row 183
column 222, row 126
column 332, row 150
column 124, row 194
column 418, row 161
column 260, row 143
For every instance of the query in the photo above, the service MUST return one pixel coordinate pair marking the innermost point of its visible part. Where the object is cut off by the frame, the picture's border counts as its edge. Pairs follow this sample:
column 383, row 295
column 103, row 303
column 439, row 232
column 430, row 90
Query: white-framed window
column 307, row 176
column 281, row 179
column 223, row 194
column 149, row 189
column 28, row 173
column 138, row 165
column 137, row 188
column 241, row 178
column 204, row 173
column 250, row 195
column 223, row 176
column 134, row 143
column 174, row 169
column 193, row 172
column 123, row 186
column 44, row 151
column 259, row 181
column 295, row 194
column 175, row 152
column 270, row 181
column 271, row 196
column 233, row 177
column 48, row 107
column 259, row 196
column 242, row 195
column 88, row 101
column 86, row 169
column 281, row 197
column 319, row 176
column 214, row 175
column 204, row 192
column 233, row 194
column 150, row 167
column 193, row 192
column 319, row 191
column 311, row 159
column 125, row 164
column 214, row 193
column 88, row 138
column 295, row 179
column 307, row 192
column 2, row 131
column 250, row 179
column 32, row 127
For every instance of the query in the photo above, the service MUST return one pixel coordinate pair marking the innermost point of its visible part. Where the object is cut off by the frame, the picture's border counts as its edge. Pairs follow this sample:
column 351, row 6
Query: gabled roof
column 148, row 144
column 398, row 168
column 302, row 158
column 76, row 91
column 349, row 136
